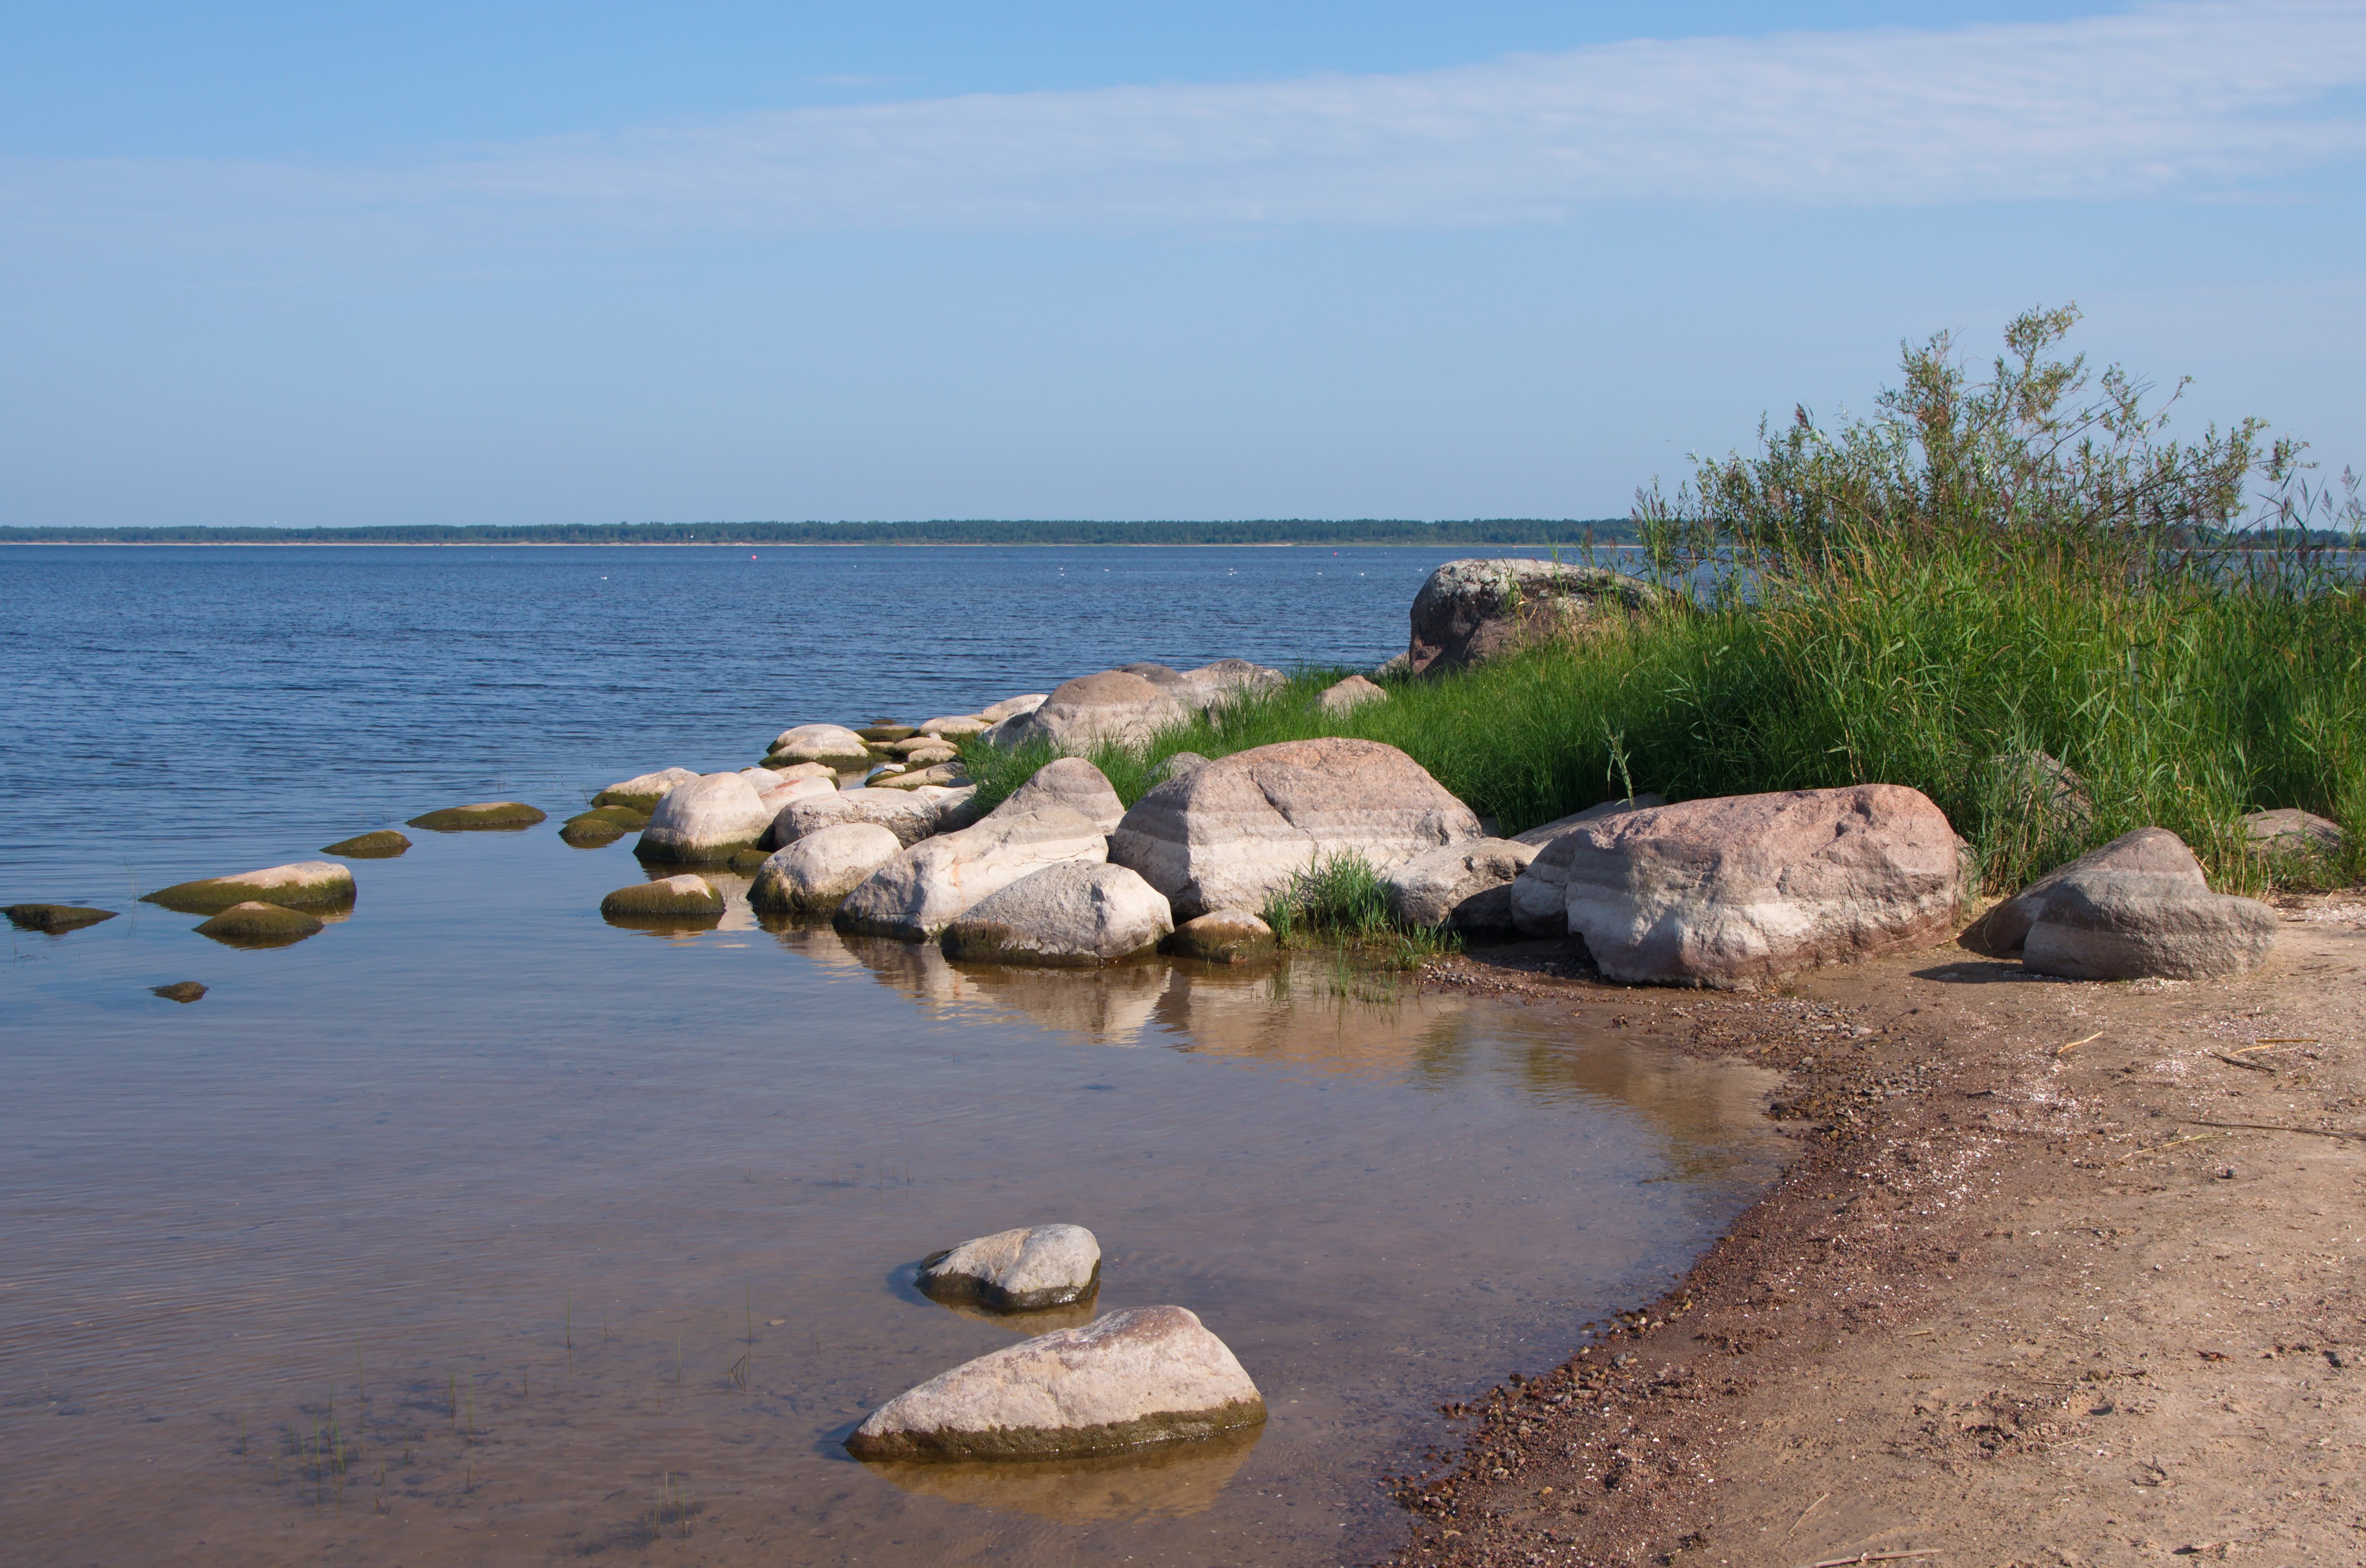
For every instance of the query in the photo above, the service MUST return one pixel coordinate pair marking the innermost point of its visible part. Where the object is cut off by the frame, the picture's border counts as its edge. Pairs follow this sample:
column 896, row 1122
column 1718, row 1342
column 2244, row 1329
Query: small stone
column 383, row 844
column 55, row 917
column 1346, row 696
column 1017, row 1270
column 485, row 816
column 669, row 900
column 1223, row 936
column 256, row 924
column 179, row 990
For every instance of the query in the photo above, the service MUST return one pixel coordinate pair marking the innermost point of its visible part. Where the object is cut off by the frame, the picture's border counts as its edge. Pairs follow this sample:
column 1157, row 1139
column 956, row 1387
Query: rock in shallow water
column 484, row 816
column 1078, row 915
column 179, row 990
column 668, row 899
column 1463, row 887
column 55, row 917
column 911, row 814
column 1149, row 1376
column 814, row 874
column 1223, row 936
column 601, row 825
column 928, row 886
column 260, row 925
column 383, row 844
column 1025, row 1270
column 833, row 743
column 706, row 821
column 307, row 884
column 644, row 792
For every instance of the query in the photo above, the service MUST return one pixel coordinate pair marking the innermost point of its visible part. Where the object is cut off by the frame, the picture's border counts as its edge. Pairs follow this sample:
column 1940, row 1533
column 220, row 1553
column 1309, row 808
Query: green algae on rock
column 307, row 884
column 601, row 825
column 670, row 902
column 258, row 924
column 55, row 917
column 179, row 990
column 485, row 816
column 383, row 844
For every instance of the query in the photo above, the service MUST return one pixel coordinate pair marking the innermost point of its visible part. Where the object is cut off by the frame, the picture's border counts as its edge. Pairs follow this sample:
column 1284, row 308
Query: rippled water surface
column 577, row 1243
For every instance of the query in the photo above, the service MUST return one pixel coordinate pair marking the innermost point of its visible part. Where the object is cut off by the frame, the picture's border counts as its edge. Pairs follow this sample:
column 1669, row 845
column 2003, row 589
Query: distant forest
column 1367, row 531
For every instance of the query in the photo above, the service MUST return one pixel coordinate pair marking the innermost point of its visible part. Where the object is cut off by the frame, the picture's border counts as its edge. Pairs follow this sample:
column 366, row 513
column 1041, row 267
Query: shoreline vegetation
column 1527, row 532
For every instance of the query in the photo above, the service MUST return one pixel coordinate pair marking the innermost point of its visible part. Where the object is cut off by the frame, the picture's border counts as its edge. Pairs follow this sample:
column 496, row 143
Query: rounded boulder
column 706, row 821
column 1076, row 915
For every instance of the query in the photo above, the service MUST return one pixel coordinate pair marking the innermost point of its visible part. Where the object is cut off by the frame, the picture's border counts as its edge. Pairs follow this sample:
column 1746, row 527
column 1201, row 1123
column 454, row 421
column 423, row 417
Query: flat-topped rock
column 1076, row 915
column 1228, row 834
column 258, row 925
column 812, row 875
column 833, row 743
column 2149, row 852
column 916, row 811
column 1223, row 936
column 1111, row 706
column 1347, row 696
column 1539, row 895
column 928, row 886
column 481, row 816
column 788, row 770
column 383, row 844
column 954, row 726
column 708, row 819
column 668, row 899
column 643, row 793
column 1148, row 1375
column 307, row 884
column 1739, row 890
column 1027, row 1270
column 1474, row 611
column 54, row 917
column 1461, row 886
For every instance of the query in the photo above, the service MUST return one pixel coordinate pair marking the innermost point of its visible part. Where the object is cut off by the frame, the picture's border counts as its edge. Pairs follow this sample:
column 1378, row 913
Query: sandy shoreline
column 2019, row 1300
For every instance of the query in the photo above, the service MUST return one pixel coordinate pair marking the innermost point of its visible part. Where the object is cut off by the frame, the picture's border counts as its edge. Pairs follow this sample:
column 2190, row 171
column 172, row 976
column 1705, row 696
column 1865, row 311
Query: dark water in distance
column 474, row 1230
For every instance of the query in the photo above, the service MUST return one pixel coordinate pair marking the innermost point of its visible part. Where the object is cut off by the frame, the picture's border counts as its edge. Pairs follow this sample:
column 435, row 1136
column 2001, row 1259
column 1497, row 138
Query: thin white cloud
column 2163, row 99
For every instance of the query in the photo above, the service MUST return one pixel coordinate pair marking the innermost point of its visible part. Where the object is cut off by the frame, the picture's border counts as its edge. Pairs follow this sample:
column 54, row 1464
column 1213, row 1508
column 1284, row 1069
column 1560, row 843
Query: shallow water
column 578, row 1241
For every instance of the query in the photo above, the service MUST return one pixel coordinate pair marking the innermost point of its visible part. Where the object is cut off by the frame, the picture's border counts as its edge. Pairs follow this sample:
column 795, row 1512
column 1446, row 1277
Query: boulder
column 911, row 814
column 1113, row 705
column 887, row 731
column 484, row 816
column 308, row 884
column 1471, row 612
column 669, row 900
column 2149, row 852
column 1463, row 887
column 831, row 743
column 1011, row 706
column 1025, row 1270
column 1734, row 892
column 184, row 992
column 600, row 825
column 955, row 725
column 259, row 925
column 2113, row 926
column 1075, row 916
column 644, row 792
column 1176, row 765
column 928, row 755
column 1165, row 676
column 1228, row 834
column 773, row 791
column 2290, row 832
column 1346, row 696
column 942, row 775
column 383, row 844
column 789, row 771
column 1223, row 936
column 1073, row 782
column 928, row 886
column 1226, row 681
column 706, row 821
column 54, row 917
column 1540, row 896
column 812, row 875
column 1151, row 1374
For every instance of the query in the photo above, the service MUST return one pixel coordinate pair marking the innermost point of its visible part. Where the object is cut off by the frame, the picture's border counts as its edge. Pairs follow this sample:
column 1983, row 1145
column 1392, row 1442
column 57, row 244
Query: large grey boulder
column 1113, row 706
column 709, row 819
column 1471, row 612
column 1734, row 892
column 928, row 886
column 643, row 791
column 1075, row 916
column 1025, row 1270
column 911, row 814
column 1231, row 832
column 1539, row 895
column 1073, row 782
column 815, row 873
column 833, row 743
column 1462, row 887
column 307, row 884
column 2153, row 853
column 2111, row 925
column 1148, row 1375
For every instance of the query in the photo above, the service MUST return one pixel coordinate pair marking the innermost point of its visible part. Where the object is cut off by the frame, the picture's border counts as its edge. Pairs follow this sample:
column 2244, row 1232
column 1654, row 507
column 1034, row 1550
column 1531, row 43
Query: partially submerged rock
column 307, row 884
column 921, row 811
column 1111, row 706
column 1078, row 915
column 55, row 917
column 666, row 901
column 885, row 732
column 600, row 825
column 1223, row 936
column 1230, row 834
column 256, row 925
column 483, row 816
column 1471, row 612
column 2112, row 926
column 708, row 820
column 644, row 792
column 1346, row 696
column 183, row 992
column 955, row 725
column 928, row 886
column 812, row 875
column 1736, row 892
column 1152, row 1374
column 2149, row 852
column 1025, row 1270
column 1462, row 887
column 383, row 844
column 833, row 743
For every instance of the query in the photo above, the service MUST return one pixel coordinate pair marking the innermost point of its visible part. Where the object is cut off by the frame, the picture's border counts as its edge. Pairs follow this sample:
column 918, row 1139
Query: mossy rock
column 626, row 801
column 670, row 902
column 313, row 884
column 601, row 825
column 750, row 861
column 258, row 925
column 880, row 734
column 383, row 844
column 179, row 990
column 485, row 816
column 55, row 917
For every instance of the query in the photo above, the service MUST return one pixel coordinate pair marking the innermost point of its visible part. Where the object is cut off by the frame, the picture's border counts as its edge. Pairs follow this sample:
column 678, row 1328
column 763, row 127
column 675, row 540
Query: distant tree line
column 1565, row 532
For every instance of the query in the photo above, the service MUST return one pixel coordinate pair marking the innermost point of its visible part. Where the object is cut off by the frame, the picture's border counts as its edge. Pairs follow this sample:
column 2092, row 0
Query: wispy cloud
column 2163, row 99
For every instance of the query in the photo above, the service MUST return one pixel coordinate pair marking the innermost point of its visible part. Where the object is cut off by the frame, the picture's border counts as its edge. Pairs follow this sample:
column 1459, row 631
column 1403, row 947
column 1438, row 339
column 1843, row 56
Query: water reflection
column 1166, row 1484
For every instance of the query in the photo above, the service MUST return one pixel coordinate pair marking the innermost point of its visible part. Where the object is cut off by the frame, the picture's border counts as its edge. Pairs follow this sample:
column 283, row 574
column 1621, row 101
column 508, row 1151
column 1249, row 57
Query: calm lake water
column 577, row 1242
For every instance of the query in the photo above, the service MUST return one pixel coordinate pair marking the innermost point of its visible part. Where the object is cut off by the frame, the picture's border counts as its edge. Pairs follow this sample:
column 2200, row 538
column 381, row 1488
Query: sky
column 315, row 265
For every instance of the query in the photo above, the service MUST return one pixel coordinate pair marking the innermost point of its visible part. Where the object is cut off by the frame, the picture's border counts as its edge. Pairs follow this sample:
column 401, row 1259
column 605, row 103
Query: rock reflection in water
column 1168, row 1482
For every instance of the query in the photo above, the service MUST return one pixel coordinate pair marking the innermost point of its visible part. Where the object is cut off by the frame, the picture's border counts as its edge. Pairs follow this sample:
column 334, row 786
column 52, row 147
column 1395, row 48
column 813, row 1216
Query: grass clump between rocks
column 1982, row 572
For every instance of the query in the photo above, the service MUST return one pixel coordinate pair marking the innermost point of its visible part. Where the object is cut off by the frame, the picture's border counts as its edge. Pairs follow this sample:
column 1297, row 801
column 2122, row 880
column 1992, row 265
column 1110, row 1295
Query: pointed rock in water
column 308, row 884
column 1077, row 915
column 179, row 990
column 484, row 816
column 643, row 793
column 55, row 917
column 928, row 886
column 1346, row 696
column 1025, row 1270
column 704, row 822
column 1152, row 1374
column 383, row 844
column 815, row 873
column 833, row 743
column 1223, row 936
column 260, row 925
column 670, row 899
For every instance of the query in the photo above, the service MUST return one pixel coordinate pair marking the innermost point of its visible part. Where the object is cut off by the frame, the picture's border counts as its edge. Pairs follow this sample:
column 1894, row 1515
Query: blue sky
column 542, row 264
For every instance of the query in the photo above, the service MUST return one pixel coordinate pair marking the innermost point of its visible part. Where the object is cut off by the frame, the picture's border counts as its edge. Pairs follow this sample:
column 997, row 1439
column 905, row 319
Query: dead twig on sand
column 1803, row 1516
column 2172, row 1143
column 1874, row 1557
column 2059, row 1050
column 2279, row 1127
column 2246, row 1066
